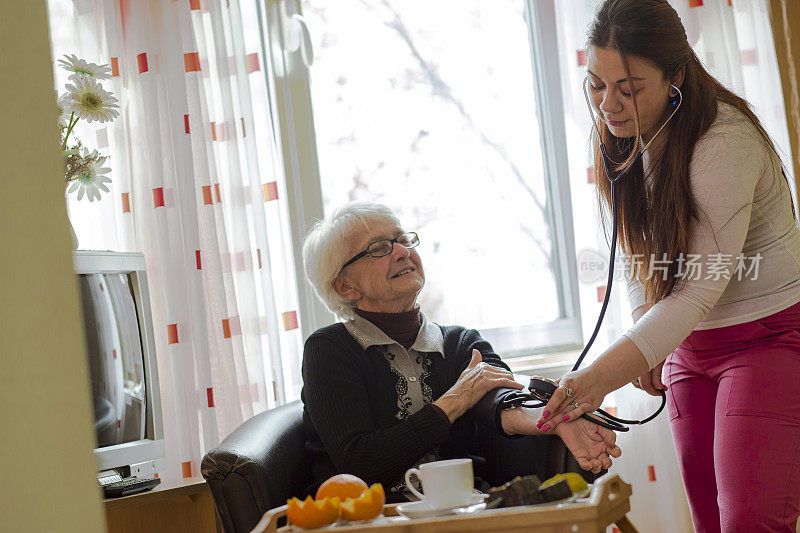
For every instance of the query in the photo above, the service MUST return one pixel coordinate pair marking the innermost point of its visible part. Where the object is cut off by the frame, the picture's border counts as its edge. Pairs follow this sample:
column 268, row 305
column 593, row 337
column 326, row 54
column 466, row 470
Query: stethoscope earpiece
column 676, row 98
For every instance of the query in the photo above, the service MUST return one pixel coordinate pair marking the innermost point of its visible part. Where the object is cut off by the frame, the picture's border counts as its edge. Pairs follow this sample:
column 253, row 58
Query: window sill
column 551, row 366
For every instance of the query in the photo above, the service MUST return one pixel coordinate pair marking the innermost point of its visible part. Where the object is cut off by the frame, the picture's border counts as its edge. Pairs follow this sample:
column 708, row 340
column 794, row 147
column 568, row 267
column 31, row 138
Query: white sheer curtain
column 196, row 187
column 734, row 40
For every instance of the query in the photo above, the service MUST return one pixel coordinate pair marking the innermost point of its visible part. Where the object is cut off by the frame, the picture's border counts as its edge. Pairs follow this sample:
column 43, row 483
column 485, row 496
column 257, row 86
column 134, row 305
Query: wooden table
column 608, row 504
column 172, row 507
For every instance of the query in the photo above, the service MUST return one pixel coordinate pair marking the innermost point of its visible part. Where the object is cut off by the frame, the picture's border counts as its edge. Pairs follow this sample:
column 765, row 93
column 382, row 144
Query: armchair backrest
column 258, row 467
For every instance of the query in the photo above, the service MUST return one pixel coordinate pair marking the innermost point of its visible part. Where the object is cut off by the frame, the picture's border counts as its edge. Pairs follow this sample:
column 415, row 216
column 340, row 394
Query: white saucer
column 423, row 509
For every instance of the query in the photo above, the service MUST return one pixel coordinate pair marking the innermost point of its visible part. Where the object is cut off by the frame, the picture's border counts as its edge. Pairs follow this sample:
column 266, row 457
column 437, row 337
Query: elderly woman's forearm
column 377, row 455
column 521, row 421
column 383, row 455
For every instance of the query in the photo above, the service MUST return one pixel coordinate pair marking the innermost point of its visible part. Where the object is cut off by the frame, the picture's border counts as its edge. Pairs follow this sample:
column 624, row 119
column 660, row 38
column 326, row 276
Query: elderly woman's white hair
column 326, row 247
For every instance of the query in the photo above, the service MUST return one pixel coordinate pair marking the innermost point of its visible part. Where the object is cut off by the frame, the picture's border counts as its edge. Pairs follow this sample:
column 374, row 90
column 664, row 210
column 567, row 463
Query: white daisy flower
column 91, row 102
column 64, row 109
column 79, row 67
column 93, row 181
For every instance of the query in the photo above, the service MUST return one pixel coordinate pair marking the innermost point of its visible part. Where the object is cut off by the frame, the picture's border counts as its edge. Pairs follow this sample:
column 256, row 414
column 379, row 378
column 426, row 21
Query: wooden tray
column 608, row 504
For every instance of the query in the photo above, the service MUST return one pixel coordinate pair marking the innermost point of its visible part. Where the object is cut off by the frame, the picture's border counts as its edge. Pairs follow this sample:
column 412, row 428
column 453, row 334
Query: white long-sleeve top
column 743, row 261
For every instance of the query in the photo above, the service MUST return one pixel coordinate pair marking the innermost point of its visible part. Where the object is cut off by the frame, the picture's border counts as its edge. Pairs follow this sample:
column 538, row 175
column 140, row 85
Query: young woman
column 706, row 217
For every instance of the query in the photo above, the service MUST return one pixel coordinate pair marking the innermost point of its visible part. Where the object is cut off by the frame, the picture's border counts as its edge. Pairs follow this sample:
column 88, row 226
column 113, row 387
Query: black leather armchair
column 263, row 463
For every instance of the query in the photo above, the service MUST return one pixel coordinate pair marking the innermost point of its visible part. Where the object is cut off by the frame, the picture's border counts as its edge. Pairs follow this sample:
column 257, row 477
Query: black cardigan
column 350, row 407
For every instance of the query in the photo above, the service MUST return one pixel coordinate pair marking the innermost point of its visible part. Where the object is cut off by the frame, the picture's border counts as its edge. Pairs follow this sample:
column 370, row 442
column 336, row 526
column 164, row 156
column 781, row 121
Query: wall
column 47, row 469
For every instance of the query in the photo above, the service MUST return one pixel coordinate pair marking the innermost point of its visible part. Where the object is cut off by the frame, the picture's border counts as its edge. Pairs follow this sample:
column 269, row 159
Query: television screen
column 116, row 363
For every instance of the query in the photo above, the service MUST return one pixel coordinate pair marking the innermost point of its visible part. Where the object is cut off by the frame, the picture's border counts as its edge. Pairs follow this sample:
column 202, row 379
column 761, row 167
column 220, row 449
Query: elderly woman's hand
column 593, row 446
column 472, row 385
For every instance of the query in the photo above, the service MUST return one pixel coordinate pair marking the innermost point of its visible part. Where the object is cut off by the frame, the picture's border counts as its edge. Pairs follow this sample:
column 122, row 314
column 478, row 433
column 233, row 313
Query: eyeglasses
column 384, row 247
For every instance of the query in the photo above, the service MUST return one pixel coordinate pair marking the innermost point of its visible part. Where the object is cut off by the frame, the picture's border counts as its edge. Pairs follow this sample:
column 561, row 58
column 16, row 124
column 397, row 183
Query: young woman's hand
column 651, row 382
column 472, row 385
column 578, row 392
column 583, row 391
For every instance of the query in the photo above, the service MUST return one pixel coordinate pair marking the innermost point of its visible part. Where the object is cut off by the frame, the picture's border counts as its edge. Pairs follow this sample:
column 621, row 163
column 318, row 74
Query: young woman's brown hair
column 657, row 224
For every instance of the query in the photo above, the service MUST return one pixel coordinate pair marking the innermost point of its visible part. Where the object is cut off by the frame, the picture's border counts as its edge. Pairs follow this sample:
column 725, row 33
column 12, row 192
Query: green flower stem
column 69, row 129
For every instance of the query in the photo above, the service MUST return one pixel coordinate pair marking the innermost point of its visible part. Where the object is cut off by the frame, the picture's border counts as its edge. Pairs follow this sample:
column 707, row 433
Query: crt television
column 122, row 360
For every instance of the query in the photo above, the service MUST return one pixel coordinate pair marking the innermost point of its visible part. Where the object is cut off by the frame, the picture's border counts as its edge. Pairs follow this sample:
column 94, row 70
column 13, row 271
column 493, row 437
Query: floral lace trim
column 401, row 388
column 425, row 360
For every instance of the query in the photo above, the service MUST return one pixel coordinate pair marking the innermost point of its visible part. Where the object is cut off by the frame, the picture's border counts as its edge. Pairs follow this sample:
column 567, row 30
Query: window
column 440, row 111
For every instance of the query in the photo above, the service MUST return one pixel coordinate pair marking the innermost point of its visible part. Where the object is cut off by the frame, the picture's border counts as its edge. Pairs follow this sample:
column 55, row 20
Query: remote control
column 128, row 486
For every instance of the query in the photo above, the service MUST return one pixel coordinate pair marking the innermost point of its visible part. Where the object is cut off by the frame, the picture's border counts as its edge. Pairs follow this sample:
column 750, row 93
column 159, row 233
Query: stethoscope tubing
column 599, row 416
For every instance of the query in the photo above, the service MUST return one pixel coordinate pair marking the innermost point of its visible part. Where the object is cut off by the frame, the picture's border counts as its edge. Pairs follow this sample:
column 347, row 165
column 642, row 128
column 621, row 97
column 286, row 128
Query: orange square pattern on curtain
column 187, row 182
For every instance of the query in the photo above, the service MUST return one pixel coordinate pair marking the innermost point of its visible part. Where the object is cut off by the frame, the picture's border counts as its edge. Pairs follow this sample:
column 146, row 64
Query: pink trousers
column 734, row 407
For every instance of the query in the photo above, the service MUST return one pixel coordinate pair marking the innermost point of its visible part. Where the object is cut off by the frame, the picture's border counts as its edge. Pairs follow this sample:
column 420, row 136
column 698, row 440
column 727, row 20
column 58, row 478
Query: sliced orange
column 367, row 506
column 310, row 513
column 342, row 486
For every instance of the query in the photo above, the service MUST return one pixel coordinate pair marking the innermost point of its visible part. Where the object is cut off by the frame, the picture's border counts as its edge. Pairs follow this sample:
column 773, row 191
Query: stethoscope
column 541, row 389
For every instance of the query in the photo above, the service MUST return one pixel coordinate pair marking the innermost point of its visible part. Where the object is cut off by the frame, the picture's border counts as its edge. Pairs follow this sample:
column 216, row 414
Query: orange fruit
column 342, row 486
column 311, row 513
column 367, row 506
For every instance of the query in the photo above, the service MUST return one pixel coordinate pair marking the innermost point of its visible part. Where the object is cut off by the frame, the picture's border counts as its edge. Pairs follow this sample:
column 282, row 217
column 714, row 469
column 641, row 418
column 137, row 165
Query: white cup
column 444, row 483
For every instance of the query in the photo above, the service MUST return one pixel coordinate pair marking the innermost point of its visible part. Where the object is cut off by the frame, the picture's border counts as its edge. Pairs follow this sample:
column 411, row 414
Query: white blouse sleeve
column 636, row 294
column 727, row 164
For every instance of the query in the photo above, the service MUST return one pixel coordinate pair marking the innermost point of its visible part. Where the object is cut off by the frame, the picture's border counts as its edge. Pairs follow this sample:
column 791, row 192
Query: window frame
column 293, row 126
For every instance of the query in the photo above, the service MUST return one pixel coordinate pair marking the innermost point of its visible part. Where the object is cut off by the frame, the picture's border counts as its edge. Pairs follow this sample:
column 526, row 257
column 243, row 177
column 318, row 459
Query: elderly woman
column 387, row 390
